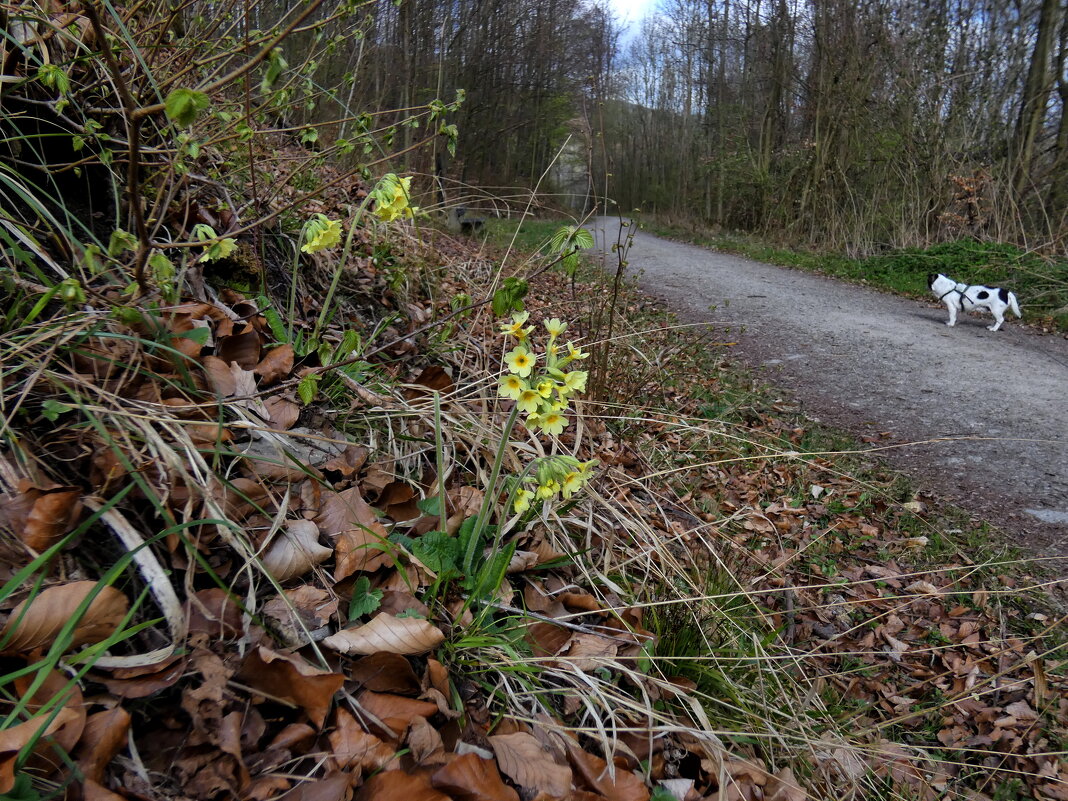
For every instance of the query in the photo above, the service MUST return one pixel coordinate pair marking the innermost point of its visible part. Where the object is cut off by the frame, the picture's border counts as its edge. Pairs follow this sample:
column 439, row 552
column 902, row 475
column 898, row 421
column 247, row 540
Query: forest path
column 869, row 362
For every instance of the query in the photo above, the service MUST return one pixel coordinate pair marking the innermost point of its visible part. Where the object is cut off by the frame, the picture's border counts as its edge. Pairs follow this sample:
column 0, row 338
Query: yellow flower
column 545, row 387
column 529, row 401
column 552, row 423
column 573, row 482
column 391, row 197
column 548, row 489
column 522, row 501
column 575, row 381
column 519, row 361
column 511, row 387
column 320, row 234
column 555, row 327
column 575, row 353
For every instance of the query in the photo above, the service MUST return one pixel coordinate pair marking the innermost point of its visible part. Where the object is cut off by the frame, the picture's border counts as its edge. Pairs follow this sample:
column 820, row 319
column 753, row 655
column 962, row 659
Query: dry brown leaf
column 361, row 539
column 14, row 738
column 295, row 551
column 277, row 363
column 282, row 412
column 354, row 747
column 395, row 711
column 396, row 785
column 220, row 378
column 103, row 738
column 54, row 513
column 386, row 673
column 472, row 778
column 335, row 787
column 242, row 349
column 523, row 760
column 396, row 635
column 141, row 682
column 214, row 612
column 37, row 621
column 782, row 786
column 588, row 651
column 292, row 678
column 591, row 772
column 425, row 743
column 546, row 639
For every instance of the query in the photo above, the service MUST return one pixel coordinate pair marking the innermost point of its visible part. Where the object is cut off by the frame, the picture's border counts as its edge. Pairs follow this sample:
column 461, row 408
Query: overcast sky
column 632, row 10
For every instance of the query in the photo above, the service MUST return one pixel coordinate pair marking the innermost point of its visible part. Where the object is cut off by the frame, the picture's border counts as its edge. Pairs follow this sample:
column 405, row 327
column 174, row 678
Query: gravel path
column 870, row 362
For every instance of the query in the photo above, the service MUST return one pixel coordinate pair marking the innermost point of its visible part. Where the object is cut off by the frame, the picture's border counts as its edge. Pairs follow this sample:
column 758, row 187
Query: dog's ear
column 931, row 278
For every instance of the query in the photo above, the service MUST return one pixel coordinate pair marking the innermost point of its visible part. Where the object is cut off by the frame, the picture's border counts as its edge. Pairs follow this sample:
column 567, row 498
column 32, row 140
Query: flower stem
column 491, row 492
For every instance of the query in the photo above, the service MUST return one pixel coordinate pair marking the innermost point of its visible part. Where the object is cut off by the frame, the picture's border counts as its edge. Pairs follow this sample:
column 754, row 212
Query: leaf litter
column 916, row 678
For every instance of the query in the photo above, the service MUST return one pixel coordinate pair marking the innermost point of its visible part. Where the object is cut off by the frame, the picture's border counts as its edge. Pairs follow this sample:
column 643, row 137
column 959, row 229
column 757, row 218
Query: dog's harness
column 957, row 288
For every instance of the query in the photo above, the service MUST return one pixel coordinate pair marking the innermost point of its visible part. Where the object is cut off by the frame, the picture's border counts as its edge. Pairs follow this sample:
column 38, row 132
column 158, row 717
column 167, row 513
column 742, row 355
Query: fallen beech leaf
column 14, row 738
column 104, row 736
column 396, row 785
column 472, row 778
column 592, row 773
column 397, row 635
column 277, row 363
column 37, row 621
column 141, row 682
column 588, row 651
column 292, row 678
column 214, row 612
column 360, row 537
column 295, row 551
column 386, row 673
column 355, row 747
column 54, row 513
column 523, row 760
column 395, row 711
column 219, row 376
column 782, row 786
column 425, row 743
column 242, row 349
column 282, row 412
column 335, row 787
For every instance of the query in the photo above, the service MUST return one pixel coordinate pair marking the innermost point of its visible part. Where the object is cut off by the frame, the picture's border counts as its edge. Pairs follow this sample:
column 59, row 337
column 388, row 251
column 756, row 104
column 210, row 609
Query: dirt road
column 870, row 362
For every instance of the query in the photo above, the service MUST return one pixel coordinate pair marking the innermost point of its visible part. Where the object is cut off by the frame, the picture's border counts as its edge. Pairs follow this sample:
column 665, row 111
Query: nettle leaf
column 364, row 599
column 438, row 551
column 509, row 297
column 183, row 106
column 54, row 77
column 307, row 387
column 582, row 239
column 430, row 506
column 121, row 240
column 276, row 65
column 51, row 409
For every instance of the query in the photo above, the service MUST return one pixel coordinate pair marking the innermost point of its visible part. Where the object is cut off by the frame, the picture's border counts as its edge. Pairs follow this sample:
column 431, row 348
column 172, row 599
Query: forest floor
column 974, row 416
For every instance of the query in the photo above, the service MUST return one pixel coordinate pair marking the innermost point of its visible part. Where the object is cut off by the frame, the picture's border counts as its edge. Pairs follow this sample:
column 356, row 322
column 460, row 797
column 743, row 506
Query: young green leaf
column 364, row 599
column 183, row 106
column 307, row 387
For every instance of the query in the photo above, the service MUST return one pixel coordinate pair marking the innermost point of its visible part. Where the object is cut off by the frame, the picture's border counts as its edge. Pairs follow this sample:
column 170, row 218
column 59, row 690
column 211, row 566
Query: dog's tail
column 1014, row 305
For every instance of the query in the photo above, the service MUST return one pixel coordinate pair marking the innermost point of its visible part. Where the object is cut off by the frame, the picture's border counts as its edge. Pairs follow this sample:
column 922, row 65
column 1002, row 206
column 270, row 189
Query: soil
column 975, row 417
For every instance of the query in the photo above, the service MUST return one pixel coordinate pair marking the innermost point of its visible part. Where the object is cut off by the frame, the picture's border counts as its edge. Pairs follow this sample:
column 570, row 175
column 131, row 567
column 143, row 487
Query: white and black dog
column 964, row 298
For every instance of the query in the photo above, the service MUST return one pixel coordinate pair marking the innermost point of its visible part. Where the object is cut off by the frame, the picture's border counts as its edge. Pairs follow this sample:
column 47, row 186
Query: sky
column 631, row 10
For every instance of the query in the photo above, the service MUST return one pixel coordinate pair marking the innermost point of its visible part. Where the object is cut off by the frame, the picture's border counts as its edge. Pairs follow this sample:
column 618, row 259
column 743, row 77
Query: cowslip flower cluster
column 541, row 391
column 560, row 474
column 391, row 197
column 320, row 233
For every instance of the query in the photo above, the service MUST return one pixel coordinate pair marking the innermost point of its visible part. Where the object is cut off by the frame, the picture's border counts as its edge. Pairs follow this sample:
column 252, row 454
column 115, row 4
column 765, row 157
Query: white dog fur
column 964, row 298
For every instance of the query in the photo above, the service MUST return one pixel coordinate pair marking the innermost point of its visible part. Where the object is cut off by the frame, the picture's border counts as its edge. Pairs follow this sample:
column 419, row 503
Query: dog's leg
column 952, row 321
column 999, row 318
